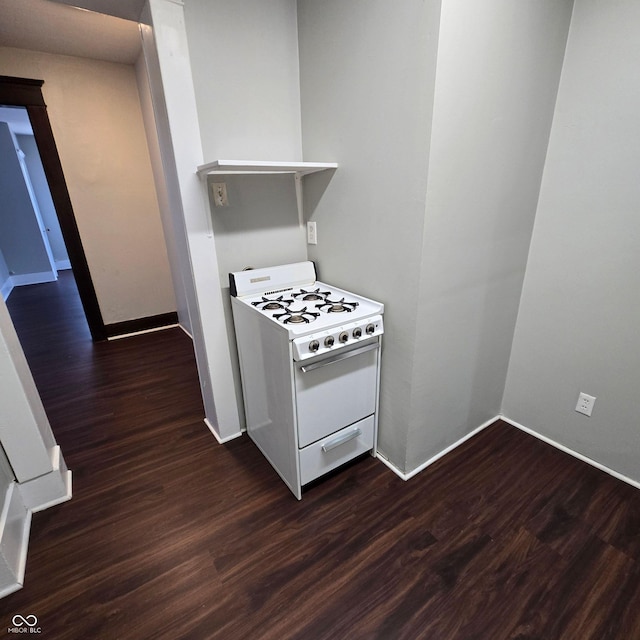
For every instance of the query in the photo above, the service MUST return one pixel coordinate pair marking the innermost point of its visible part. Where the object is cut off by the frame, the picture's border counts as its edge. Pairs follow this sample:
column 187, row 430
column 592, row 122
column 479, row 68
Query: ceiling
column 55, row 27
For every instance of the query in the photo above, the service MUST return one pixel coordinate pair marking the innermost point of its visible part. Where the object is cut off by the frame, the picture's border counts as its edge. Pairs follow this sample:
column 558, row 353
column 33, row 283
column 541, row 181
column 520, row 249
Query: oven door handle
column 337, row 358
column 345, row 437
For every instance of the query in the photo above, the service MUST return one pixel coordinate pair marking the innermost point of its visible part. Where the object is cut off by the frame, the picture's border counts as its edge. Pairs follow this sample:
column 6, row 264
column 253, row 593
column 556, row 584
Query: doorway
column 27, row 93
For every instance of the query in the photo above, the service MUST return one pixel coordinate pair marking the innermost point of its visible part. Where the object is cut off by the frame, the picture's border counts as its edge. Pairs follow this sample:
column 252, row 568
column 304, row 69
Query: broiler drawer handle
column 345, row 437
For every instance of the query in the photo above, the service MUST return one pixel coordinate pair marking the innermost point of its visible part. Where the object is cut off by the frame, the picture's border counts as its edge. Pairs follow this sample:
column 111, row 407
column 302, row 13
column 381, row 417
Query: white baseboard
column 571, row 452
column 50, row 488
column 33, row 278
column 21, row 501
column 185, row 330
column 517, row 425
column 15, row 525
column 139, row 333
column 217, row 436
column 408, row 475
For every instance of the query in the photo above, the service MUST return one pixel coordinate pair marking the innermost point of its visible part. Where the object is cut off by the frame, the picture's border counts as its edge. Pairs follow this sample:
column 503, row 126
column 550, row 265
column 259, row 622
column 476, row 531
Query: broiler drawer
column 328, row 453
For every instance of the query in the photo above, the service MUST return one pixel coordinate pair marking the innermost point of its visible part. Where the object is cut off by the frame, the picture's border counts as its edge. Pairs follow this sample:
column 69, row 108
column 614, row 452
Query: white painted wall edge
column 62, row 265
column 517, row 425
column 571, row 452
column 6, row 288
column 220, row 440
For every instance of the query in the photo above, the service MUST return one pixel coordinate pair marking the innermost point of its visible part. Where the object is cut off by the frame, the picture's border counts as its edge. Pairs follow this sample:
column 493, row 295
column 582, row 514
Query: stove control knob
column 343, row 337
column 370, row 328
column 328, row 341
column 314, row 345
column 357, row 332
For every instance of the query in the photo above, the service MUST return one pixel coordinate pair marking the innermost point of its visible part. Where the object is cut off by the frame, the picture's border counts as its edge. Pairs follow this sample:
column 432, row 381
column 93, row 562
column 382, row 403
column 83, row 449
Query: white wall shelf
column 255, row 167
column 222, row 167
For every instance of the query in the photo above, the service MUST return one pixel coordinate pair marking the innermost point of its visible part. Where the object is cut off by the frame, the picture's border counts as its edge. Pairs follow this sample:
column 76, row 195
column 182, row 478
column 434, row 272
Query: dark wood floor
column 170, row 535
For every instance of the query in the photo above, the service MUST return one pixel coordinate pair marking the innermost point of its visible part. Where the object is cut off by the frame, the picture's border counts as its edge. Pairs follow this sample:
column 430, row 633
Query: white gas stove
column 310, row 364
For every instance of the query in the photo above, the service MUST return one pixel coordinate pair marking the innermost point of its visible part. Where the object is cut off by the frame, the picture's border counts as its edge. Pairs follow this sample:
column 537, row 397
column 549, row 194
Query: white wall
column 43, row 196
column 497, row 75
column 96, row 119
column 578, row 323
column 179, row 267
column 244, row 61
column 20, row 236
column 432, row 207
column 25, row 433
column 439, row 118
column 170, row 78
column 367, row 83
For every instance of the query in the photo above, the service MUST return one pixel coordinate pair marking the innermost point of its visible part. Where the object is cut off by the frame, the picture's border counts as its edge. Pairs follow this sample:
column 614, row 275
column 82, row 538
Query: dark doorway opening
column 24, row 92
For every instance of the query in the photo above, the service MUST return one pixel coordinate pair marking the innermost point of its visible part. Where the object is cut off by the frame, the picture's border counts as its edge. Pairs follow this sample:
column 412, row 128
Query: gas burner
column 311, row 295
column 336, row 306
column 270, row 304
column 296, row 317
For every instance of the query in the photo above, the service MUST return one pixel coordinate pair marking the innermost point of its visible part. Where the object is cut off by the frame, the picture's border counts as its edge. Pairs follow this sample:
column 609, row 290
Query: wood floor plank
column 170, row 535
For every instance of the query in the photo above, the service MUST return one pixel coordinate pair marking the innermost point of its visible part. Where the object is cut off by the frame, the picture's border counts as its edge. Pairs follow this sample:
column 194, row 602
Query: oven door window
column 335, row 391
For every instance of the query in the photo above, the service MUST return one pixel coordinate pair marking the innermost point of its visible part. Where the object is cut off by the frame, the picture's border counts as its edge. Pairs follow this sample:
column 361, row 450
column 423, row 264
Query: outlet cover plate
column 585, row 404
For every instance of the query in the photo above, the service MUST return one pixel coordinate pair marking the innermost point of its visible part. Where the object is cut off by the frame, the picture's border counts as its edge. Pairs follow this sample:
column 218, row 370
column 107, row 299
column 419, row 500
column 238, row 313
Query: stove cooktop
column 314, row 307
column 291, row 297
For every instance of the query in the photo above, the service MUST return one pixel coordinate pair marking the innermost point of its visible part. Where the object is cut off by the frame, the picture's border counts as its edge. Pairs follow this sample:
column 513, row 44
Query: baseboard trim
column 517, row 425
column 408, row 475
column 141, row 325
column 50, row 488
column 67, row 479
column 14, row 541
column 185, row 330
column 571, row 452
column 33, row 278
column 216, row 435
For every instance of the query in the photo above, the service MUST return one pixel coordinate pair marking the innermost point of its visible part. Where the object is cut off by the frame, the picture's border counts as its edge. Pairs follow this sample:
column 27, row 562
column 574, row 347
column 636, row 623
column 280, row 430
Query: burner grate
column 311, row 296
column 272, row 304
column 291, row 316
column 336, row 306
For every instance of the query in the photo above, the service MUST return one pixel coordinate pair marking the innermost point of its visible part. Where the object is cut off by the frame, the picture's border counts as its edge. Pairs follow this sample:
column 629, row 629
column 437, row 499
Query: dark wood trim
column 27, row 93
column 141, row 324
column 21, row 92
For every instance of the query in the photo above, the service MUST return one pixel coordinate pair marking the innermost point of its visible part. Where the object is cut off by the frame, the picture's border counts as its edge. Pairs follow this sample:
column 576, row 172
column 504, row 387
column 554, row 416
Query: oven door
column 336, row 390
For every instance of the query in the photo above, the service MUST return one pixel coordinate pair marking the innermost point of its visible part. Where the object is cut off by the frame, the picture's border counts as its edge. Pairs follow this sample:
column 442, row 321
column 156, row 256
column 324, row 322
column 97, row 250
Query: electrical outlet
column 312, row 233
column 220, row 194
column 585, row 404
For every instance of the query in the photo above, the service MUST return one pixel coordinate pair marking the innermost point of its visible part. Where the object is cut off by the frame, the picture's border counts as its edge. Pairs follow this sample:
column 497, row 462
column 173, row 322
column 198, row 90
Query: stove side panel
column 264, row 353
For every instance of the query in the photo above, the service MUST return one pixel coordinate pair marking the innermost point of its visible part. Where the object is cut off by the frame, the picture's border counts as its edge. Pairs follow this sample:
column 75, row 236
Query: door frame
column 25, row 92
